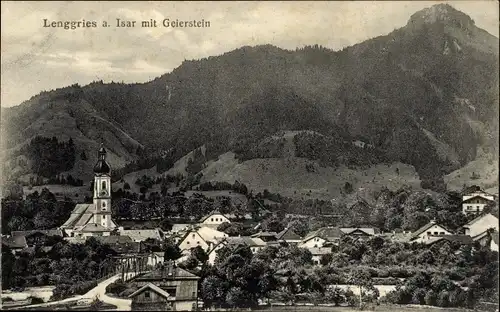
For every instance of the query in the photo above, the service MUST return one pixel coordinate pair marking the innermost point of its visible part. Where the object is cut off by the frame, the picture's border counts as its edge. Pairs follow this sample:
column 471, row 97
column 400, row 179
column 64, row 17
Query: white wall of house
column 434, row 230
column 313, row 242
column 192, row 240
column 475, row 204
column 482, row 224
column 493, row 246
column 216, row 219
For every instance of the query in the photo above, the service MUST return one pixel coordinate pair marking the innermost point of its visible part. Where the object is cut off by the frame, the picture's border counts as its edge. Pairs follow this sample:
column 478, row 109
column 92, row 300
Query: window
column 428, row 233
column 187, row 243
column 104, row 217
column 103, row 185
column 442, row 233
column 212, row 219
column 146, row 294
column 198, row 242
column 435, row 233
column 104, row 204
column 192, row 236
column 194, row 294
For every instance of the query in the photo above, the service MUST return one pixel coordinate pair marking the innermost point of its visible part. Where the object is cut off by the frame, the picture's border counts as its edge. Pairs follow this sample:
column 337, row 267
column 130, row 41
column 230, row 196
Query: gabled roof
column 51, row 232
column 142, row 235
column 483, row 215
column 207, row 234
column 168, row 272
column 246, row 240
column 425, row 228
column 77, row 214
column 15, row 242
column 215, row 212
column 481, row 194
column 369, row 231
column 265, row 234
column 114, row 239
column 154, row 288
column 328, row 233
column 288, row 234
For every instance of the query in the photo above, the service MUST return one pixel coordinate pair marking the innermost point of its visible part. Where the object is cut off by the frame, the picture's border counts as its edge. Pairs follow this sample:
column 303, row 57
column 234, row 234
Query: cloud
column 36, row 58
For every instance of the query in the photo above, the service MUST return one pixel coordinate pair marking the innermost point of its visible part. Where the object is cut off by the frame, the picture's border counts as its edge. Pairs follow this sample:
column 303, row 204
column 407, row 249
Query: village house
column 288, row 236
column 144, row 234
column 360, row 232
column 204, row 237
column 318, row 253
column 480, row 224
column 266, row 236
column 94, row 219
column 476, row 201
column 428, row 231
column 166, row 288
column 256, row 244
column 15, row 243
column 214, row 219
column 322, row 237
column 488, row 238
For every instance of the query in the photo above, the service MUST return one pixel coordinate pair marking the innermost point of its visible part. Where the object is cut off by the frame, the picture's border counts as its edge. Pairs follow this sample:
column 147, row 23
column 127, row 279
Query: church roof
column 77, row 214
column 93, row 227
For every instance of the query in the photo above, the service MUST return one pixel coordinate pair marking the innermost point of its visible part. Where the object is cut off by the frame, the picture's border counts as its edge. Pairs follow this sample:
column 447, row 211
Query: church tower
column 102, row 191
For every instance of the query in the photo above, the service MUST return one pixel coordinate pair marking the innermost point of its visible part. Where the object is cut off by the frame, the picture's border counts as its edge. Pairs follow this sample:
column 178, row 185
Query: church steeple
column 102, row 167
column 102, row 190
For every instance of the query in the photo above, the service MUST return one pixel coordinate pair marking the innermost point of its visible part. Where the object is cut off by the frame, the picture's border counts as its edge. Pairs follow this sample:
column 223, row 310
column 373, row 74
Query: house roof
column 481, row 216
column 169, row 272
column 209, row 235
column 425, row 228
column 51, row 232
column 177, row 227
column 265, row 234
column 215, row 212
column 142, row 235
column 15, row 242
column 153, row 287
column 481, row 194
column 126, row 247
column 246, row 240
column 327, row 233
column 288, row 234
column 114, row 239
column 461, row 239
column 369, row 231
column 77, row 214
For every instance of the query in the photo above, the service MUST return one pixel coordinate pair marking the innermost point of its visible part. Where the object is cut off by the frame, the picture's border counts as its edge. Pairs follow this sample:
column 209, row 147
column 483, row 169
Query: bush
column 36, row 300
column 116, row 287
column 63, row 291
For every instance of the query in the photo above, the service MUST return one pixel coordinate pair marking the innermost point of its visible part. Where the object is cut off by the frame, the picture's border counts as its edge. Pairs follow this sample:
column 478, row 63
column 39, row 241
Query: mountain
column 425, row 95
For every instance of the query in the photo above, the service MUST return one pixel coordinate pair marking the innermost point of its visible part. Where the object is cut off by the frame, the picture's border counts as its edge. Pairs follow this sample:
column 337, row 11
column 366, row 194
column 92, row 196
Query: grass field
column 380, row 308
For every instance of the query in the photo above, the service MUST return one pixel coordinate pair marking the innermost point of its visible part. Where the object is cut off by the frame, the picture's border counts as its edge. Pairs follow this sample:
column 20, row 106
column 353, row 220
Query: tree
column 83, row 156
column 348, row 188
column 172, row 251
column 126, row 186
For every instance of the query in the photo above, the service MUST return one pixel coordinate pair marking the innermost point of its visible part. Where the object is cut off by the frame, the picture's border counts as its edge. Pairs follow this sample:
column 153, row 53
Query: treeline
column 72, row 268
column 48, row 157
column 335, row 150
column 38, row 211
column 448, row 275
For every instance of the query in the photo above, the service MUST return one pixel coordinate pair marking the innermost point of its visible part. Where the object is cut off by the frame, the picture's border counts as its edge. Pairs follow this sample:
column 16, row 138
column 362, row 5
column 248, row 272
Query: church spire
column 102, row 167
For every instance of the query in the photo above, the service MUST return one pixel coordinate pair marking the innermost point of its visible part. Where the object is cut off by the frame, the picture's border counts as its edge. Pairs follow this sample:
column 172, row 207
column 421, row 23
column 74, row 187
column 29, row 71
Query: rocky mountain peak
column 441, row 13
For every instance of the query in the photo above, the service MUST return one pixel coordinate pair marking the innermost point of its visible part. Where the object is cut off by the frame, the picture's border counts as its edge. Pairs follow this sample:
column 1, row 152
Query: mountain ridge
column 375, row 90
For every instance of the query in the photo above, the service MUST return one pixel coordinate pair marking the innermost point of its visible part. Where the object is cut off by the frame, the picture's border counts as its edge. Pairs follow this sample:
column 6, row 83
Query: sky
column 35, row 58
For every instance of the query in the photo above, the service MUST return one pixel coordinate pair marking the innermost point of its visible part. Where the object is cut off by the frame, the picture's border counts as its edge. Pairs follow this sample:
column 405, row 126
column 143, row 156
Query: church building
column 94, row 219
